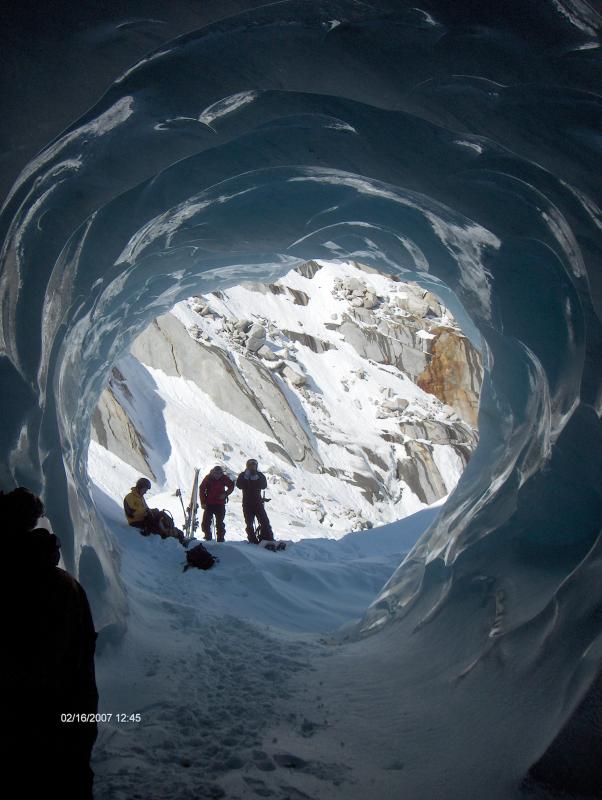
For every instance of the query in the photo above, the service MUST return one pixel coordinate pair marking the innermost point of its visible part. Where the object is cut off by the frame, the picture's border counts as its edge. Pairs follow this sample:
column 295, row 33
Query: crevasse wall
column 455, row 146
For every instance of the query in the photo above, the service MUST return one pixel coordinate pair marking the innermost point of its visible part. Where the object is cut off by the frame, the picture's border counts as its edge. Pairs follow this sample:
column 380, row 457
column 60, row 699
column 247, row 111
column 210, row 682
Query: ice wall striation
column 456, row 146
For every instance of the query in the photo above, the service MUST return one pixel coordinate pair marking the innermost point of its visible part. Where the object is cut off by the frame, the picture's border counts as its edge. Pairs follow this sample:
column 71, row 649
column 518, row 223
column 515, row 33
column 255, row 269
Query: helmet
column 252, row 461
column 143, row 483
column 217, row 470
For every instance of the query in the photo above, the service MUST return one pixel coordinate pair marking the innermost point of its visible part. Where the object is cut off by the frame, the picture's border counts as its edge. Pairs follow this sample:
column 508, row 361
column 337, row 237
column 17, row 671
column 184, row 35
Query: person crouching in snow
column 149, row 520
column 252, row 482
column 214, row 491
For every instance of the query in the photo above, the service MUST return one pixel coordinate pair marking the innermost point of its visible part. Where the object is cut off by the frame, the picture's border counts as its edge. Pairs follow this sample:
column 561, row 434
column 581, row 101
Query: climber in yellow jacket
column 149, row 520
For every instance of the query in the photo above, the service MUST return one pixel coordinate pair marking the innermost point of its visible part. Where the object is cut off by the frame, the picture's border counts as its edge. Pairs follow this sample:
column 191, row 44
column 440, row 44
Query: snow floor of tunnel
column 244, row 693
column 208, row 660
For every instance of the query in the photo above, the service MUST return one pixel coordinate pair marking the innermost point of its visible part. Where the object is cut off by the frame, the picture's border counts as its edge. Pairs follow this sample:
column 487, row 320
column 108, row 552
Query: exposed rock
column 385, row 349
column 256, row 286
column 454, row 374
column 439, row 432
column 362, row 314
column 394, row 438
column 309, row 269
column 285, row 426
column 370, row 301
column 279, row 451
column 376, row 459
column 434, row 304
column 299, row 297
column 353, row 284
column 267, row 354
column 370, row 487
column 417, row 307
column 294, row 377
column 243, row 325
column 112, row 428
column 464, row 451
column 314, row 344
column 420, row 472
column 257, row 331
column 166, row 345
column 201, row 308
column 254, row 343
column 396, row 404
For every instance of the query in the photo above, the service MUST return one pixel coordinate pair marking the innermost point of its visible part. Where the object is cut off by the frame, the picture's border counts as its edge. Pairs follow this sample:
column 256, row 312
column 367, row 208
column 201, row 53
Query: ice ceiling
column 451, row 144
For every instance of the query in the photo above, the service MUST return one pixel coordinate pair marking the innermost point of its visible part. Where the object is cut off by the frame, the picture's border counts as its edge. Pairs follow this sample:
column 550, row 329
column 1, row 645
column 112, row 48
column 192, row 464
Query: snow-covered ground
column 249, row 685
column 212, row 662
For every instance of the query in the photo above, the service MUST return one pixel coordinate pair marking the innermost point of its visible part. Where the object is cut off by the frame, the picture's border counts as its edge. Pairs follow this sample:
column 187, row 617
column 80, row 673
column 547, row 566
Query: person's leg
column 267, row 534
column 179, row 535
column 206, row 523
column 249, row 514
column 220, row 527
column 152, row 521
column 140, row 527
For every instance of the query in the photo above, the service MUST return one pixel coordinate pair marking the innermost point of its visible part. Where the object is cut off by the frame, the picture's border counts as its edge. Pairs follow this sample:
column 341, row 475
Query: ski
column 192, row 518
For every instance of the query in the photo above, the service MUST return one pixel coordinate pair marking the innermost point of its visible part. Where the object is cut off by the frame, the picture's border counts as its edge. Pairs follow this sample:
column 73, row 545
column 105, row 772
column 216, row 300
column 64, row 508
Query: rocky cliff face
column 114, row 430
column 454, row 373
column 357, row 392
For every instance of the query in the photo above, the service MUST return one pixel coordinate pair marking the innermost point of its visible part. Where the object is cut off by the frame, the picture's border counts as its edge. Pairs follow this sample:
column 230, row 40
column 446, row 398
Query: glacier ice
column 455, row 145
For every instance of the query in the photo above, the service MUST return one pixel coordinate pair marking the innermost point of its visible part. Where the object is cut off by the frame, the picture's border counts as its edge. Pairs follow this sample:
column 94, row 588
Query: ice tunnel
column 457, row 145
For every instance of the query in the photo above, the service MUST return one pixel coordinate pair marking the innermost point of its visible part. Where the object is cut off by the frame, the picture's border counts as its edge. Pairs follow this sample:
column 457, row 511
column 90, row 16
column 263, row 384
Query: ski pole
column 179, row 494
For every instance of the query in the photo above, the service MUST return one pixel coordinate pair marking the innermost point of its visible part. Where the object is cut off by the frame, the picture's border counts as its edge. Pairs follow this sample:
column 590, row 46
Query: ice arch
column 461, row 146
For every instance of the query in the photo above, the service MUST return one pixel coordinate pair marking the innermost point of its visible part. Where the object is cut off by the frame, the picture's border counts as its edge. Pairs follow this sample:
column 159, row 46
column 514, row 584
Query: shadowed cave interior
column 454, row 147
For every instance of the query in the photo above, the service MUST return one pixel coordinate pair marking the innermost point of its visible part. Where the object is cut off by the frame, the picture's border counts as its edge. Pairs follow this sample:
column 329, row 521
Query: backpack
column 199, row 557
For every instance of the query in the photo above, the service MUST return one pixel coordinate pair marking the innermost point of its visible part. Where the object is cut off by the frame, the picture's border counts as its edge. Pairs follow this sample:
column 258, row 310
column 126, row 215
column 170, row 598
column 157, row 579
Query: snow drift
column 458, row 147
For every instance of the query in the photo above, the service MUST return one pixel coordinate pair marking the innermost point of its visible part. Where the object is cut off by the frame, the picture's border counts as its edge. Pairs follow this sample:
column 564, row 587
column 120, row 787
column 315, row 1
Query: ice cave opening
column 358, row 391
column 456, row 146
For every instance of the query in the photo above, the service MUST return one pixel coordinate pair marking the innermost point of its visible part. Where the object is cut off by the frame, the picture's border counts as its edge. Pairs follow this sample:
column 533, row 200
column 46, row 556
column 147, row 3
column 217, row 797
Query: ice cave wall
column 455, row 146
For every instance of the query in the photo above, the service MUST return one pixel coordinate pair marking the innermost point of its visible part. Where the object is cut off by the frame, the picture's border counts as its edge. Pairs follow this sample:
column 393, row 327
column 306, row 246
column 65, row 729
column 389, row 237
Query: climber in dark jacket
column 253, row 483
column 214, row 491
column 49, row 661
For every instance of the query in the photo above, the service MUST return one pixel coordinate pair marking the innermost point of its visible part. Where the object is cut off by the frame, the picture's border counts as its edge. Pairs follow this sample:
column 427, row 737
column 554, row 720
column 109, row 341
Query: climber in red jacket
column 214, row 491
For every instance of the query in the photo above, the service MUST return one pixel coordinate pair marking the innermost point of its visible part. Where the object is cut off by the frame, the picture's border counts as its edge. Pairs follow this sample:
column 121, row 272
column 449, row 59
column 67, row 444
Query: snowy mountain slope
column 316, row 376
